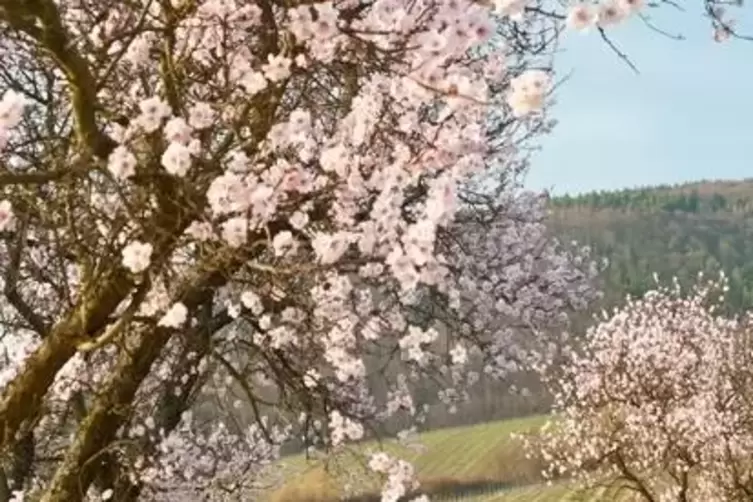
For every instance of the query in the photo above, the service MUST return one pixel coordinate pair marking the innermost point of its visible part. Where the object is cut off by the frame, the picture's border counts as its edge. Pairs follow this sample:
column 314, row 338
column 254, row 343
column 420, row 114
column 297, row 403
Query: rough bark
column 170, row 405
column 22, row 462
column 4, row 488
column 100, row 297
column 22, row 398
column 107, row 413
column 106, row 416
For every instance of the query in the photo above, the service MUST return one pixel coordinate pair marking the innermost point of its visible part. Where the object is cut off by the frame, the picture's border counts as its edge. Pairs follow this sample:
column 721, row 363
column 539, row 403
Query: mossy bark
column 98, row 429
column 21, row 401
column 112, row 405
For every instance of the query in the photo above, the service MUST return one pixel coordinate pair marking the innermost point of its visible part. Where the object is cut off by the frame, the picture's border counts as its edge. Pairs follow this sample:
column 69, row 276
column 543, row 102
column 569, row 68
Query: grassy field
column 472, row 464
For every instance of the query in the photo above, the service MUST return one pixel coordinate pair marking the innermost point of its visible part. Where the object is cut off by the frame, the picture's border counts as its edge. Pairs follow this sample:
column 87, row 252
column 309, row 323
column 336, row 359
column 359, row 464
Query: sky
column 687, row 116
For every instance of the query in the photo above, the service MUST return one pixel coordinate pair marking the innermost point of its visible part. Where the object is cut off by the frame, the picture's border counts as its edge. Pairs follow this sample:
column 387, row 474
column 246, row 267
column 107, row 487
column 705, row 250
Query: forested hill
column 672, row 230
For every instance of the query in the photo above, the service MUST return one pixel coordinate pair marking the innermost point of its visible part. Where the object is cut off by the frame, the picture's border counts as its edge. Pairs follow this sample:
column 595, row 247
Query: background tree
column 656, row 400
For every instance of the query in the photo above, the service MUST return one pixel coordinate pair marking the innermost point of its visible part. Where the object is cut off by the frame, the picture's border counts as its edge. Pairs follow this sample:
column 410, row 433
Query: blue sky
column 688, row 115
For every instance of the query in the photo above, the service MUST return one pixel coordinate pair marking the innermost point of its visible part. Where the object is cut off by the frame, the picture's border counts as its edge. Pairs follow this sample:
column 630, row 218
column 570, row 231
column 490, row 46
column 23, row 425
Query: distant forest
column 671, row 230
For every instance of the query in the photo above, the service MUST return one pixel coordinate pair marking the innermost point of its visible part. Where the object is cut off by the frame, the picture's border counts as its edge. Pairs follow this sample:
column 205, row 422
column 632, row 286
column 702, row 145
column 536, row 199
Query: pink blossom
column 177, row 159
column 277, row 68
column 175, row 316
column 581, row 17
column 137, row 256
column 7, row 218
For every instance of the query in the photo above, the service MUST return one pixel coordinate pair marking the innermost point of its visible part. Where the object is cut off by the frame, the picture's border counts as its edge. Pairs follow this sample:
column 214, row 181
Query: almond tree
column 657, row 401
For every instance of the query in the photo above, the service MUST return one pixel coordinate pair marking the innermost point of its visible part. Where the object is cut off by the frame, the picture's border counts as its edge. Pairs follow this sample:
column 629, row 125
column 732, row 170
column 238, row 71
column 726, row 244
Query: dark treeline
column 669, row 230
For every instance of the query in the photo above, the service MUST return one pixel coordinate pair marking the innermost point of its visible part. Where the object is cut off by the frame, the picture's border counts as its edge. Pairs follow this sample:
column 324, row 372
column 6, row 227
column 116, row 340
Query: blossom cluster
column 585, row 15
column 11, row 113
column 399, row 476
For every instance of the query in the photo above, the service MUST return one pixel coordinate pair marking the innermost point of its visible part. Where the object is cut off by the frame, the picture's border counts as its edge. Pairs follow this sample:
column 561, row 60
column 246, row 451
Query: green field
column 477, row 463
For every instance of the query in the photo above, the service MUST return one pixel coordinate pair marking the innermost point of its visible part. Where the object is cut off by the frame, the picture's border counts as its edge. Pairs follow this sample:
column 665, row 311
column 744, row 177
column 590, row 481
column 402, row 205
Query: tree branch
column 11, row 284
column 54, row 40
column 36, row 178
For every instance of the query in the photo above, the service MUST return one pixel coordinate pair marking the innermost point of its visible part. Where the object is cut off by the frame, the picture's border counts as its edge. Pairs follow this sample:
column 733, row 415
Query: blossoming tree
column 253, row 202
column 657, row 401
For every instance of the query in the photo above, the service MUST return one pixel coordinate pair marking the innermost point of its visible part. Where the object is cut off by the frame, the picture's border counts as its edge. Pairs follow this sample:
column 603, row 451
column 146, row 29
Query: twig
column 652, row 26
column 617, row 51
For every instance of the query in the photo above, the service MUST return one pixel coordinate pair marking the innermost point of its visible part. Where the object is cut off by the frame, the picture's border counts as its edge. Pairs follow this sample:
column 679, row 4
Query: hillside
column 484, row 462
column 671, row 230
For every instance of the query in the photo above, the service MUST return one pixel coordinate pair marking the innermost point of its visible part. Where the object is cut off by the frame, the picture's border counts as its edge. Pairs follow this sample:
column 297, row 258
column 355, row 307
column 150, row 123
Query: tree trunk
column 4, row 488
column 99, row 298
column 23, row 462
column 109, row 411
column 22, row 398
column 170, row 405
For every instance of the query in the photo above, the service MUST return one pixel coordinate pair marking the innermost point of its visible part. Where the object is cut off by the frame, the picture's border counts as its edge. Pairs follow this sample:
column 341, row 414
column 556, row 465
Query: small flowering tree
column 248, row 205
column 657, row 401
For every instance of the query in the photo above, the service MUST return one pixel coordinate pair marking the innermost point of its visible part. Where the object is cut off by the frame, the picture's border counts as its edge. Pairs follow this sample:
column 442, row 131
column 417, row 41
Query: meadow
column 477, row 463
